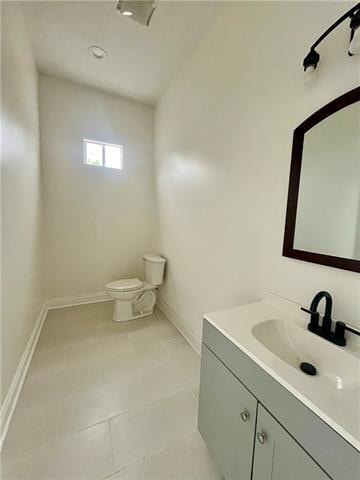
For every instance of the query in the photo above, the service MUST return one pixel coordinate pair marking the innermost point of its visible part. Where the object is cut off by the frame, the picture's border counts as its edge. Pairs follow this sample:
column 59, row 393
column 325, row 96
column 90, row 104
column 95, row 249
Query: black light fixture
column 312, row 58
column 354, row 47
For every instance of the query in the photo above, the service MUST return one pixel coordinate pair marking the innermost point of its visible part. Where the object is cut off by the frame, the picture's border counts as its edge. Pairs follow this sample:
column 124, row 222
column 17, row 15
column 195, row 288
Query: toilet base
column 125, row 314
column 142, row 306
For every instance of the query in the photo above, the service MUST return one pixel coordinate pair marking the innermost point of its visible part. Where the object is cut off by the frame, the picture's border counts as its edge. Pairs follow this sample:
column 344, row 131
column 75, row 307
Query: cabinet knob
column 244, row 416
column 261, row 436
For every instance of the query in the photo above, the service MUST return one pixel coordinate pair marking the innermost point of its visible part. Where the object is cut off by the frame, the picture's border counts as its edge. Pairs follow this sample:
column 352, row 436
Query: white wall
column 223, row 144
column 97, row 220
column 20, row 196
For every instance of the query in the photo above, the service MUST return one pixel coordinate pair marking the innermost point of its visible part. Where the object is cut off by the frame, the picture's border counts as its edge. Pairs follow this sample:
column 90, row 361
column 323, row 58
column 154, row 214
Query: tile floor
column 106, row 400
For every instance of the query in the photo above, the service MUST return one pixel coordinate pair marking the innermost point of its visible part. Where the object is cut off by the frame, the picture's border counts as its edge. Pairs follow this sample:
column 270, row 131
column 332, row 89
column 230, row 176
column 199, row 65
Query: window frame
column 103, row 145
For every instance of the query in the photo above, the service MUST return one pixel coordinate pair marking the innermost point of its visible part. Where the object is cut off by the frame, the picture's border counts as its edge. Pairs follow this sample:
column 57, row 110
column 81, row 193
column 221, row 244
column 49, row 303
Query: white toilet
column 134, row 298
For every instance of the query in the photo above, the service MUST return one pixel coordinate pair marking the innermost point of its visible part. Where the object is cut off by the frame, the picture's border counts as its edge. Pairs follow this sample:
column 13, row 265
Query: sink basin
column 273, row 333
column 294, row 345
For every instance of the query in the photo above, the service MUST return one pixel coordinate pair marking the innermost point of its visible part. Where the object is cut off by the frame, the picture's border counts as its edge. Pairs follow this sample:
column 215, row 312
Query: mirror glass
column 328, row 208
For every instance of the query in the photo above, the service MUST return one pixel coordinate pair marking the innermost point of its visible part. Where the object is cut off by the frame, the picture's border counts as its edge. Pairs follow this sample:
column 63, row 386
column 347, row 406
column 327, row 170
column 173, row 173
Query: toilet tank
column 154, row 268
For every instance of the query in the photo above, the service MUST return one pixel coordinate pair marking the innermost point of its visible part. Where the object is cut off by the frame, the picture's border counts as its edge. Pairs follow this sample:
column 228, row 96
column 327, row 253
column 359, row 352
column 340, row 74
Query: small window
column 102, row 154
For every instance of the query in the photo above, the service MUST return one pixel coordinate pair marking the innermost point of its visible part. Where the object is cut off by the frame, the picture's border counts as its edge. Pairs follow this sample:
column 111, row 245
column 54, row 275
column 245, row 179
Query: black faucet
column 324, row 330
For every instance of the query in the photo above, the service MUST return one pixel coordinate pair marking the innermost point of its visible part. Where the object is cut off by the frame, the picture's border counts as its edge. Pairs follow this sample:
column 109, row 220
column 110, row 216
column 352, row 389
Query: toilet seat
column 125, row 285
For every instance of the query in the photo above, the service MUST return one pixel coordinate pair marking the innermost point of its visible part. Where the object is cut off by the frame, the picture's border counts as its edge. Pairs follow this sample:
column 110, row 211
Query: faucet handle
column 314, row 319
column 308, row 311
column 339, row 335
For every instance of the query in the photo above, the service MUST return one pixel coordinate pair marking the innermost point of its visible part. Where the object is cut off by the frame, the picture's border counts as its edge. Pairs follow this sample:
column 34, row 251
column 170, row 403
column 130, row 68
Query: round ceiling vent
column 97, row 52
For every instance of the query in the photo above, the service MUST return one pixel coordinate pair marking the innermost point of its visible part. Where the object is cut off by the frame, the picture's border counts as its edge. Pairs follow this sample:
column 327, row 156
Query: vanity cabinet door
column 278, row 456
column 227, row 418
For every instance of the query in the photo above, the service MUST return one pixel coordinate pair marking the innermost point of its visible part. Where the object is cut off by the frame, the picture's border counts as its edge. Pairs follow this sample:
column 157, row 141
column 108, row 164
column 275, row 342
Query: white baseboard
column 63, row 302
column 12, row 396
column 179, row 323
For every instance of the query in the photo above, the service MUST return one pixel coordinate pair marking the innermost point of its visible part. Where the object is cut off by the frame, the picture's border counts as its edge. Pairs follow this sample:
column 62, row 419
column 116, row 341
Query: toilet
column 135, row 298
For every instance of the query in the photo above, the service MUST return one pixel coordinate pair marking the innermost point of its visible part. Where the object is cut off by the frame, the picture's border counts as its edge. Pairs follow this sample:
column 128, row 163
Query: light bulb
column 311, row 60
column 354, row 47
column 127, row 13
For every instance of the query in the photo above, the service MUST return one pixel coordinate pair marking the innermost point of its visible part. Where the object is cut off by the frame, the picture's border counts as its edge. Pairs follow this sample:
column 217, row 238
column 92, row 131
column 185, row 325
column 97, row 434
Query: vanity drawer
column 335, row 455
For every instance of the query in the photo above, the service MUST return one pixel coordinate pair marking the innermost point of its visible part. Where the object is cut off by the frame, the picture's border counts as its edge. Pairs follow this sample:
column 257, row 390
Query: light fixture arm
column 346, row 15
column 313, row 57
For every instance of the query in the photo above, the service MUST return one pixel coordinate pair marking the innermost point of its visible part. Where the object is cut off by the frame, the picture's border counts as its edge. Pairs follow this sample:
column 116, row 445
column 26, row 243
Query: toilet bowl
column 135, row 298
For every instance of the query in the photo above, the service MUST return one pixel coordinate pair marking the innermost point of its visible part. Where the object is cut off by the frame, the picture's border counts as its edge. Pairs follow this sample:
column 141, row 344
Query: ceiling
column 141, row 60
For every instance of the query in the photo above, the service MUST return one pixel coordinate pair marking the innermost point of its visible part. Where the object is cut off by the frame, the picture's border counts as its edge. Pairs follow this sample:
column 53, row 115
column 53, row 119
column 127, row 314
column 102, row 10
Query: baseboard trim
column 179, row 323
column 12, row 396
column 82, row 299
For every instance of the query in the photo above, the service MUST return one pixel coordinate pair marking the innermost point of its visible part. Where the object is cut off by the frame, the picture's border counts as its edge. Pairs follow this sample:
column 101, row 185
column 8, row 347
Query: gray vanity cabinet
column 278, row 456
column 299, row 444
column 227, row 417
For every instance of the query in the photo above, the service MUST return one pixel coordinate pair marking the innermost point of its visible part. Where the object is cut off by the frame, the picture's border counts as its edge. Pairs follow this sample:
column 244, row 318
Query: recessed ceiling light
column 127, row 13
column 97, row 52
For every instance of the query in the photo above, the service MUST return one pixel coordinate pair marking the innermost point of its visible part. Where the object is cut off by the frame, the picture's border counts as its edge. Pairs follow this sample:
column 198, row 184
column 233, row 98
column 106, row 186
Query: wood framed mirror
column 323, row 206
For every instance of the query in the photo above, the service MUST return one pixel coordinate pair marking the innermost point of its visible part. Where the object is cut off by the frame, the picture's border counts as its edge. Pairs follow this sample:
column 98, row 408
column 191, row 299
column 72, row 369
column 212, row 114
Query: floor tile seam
column 60, row 438
column 57, row 372
column 173, row 456
column 143, row 459
column 151, row 404
column 93, row 387
column 23, row 453
column 108, row 418
column 111, row 448
column 179, row 389
column 192, row 393
column 130, row 464
column 71, row 433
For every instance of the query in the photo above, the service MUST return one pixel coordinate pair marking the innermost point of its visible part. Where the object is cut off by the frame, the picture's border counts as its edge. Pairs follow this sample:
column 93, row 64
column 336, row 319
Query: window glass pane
column 113, row 156
column 94, row 153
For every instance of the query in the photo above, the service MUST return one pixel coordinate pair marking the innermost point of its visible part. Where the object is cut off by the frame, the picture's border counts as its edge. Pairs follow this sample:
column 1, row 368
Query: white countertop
column 338, row 406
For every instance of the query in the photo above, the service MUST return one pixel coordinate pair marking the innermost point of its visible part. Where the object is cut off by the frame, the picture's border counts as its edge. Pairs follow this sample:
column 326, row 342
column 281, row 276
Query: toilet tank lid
column 152, row 257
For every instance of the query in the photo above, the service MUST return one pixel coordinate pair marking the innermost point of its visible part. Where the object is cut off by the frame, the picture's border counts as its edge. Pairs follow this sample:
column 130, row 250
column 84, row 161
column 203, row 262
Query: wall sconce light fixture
column 312, row 58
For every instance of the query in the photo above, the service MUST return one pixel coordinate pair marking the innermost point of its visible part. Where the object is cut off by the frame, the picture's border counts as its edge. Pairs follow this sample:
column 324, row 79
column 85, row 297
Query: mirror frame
column 334, row 106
